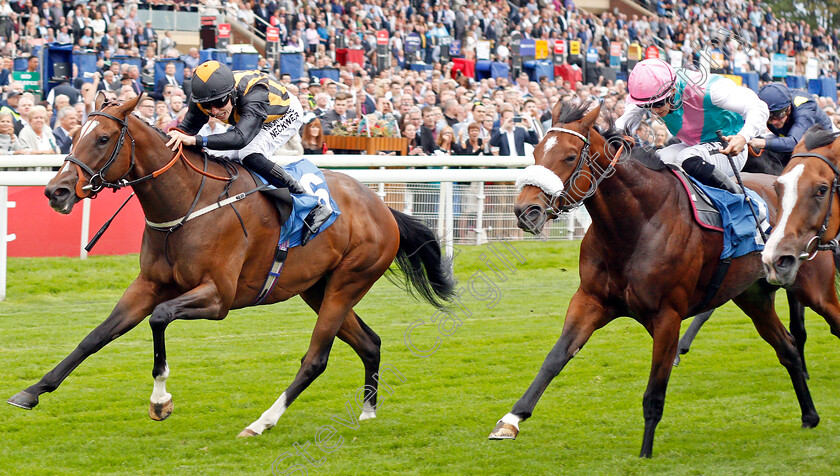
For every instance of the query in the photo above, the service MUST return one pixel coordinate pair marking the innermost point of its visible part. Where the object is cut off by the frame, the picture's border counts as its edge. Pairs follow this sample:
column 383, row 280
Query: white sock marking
column 269, row 417
column 159, row 394
column 368, row 411
column 511, row 419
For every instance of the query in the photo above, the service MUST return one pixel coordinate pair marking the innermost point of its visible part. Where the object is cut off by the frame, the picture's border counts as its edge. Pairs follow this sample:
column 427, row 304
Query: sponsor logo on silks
column 276, row 127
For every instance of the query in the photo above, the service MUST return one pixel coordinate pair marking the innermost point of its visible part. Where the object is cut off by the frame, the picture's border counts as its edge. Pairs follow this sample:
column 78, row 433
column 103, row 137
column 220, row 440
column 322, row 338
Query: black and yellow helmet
column 211, row 80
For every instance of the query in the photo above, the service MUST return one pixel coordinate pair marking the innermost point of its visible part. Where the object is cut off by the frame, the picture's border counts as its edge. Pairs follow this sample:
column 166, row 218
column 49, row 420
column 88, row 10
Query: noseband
column 835, row 185
column 562, row 199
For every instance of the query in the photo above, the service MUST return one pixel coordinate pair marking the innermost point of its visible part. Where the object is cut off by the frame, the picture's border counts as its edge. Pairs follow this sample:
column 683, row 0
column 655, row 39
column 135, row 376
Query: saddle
column 703, row 210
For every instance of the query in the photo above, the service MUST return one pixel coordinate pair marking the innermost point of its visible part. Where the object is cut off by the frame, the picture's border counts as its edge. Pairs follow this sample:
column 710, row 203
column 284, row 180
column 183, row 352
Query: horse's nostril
column 531, row 218
column 785, row 262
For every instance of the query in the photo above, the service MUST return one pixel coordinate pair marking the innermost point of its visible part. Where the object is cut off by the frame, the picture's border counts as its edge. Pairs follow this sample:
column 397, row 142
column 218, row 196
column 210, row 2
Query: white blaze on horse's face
column 550, row 142
column 88, row 128
column 790, row 194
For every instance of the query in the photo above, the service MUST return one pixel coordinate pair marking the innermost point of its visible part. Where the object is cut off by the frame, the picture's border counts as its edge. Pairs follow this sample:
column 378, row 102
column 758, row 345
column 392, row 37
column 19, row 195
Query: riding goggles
column 660, row 103
column 217, row 103
column 780, row 113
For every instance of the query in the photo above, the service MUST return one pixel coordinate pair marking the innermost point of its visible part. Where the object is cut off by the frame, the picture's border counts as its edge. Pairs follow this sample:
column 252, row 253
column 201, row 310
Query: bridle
column 818, row 239
column 562, row 199
column 97, row 181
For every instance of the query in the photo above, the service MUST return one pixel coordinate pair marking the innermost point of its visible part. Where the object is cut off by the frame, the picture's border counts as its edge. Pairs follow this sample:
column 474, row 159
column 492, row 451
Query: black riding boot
column 707, row 174
column 274, row 173
column 277, row 176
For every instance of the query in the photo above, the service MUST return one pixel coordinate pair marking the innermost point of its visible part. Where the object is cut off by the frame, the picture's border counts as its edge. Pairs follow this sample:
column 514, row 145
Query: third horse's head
column 809, row 216
column 560, row 177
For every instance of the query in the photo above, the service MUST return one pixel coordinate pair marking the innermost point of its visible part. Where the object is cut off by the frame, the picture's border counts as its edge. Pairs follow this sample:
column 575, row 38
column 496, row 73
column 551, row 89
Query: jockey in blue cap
column 792, row 112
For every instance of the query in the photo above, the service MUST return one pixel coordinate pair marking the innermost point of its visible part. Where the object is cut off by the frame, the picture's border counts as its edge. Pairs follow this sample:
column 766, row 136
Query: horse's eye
column 571, row 158
column 103, row 140
column 821, row 191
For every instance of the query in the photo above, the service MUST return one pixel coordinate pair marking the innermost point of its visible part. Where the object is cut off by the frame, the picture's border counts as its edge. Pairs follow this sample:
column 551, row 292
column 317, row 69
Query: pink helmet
column 650, row 81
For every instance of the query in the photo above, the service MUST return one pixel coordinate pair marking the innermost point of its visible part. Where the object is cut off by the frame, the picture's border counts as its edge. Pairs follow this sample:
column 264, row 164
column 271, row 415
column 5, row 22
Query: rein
column 97, row 182
column 833, row 244
column 564, row 195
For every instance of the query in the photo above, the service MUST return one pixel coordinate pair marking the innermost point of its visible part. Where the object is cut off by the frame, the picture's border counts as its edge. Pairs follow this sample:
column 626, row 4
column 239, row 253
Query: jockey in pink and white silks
column 694, row 105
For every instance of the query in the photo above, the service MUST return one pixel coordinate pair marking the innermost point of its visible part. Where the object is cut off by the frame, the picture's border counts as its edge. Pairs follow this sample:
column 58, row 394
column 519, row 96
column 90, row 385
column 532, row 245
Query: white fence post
column 85, row 228
column 480, row 236
column 449, row 234
column 5, row 204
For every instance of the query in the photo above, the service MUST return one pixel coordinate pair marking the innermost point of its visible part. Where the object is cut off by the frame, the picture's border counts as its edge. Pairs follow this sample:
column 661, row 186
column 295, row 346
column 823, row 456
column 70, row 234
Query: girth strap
column 274, row 273
column 714, row 284
column 164, row 226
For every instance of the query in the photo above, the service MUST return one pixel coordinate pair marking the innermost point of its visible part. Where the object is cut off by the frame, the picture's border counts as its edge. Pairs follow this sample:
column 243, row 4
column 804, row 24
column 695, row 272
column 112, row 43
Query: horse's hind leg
column 685, row 341
column 342, row 292
column 797, row 328
column 202, row 302
column 757, row 303
column 585, row 316
column 364, row 342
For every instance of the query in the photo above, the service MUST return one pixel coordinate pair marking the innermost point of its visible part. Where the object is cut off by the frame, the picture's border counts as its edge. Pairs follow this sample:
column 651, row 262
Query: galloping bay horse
column 220, row 260
column 645, row 257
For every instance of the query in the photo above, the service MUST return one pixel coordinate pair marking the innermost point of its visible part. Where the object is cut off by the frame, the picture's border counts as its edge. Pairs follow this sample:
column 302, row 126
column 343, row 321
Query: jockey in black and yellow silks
column 264, row 115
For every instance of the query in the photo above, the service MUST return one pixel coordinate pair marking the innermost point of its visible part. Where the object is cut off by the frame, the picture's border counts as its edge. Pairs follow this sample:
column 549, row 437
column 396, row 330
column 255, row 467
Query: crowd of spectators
column 502, row 114
column 438, row 111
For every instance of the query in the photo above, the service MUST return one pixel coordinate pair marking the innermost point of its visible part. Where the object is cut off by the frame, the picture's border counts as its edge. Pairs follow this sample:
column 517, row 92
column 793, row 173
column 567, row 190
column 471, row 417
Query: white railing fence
column 464, row 205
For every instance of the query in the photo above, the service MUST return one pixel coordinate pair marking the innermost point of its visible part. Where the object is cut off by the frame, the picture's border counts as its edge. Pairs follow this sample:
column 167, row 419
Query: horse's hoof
column 810, row 421
column 677, row 360
column 367, row 416
column 247, row 433
column 504, row 431
column 161, row 411
column 24, row 400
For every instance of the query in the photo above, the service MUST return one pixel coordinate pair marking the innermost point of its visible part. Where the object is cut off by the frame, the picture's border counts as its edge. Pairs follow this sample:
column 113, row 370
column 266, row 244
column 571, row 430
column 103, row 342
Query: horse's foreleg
column 666, row 332
column 758, row 305
column 687, row 338
column 585, row 316
column 133, row 307
column 797, row 328
column 203, row 302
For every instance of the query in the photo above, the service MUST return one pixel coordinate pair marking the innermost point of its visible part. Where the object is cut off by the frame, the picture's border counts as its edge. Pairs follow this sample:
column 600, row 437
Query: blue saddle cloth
column 312, row 179
column 740, row 236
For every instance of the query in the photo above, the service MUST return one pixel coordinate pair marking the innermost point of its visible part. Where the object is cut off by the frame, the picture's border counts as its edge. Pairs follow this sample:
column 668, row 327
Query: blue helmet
column 776, row 95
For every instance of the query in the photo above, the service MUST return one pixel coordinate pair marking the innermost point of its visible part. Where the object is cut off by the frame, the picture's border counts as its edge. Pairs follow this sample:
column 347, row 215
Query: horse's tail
column 424, row 268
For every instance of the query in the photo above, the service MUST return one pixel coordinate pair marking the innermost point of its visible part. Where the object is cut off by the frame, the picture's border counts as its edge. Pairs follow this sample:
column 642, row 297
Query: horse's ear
column 100, row 99
column 590, row 117
column 835, row 148
column 126, row 108
column 555, row 112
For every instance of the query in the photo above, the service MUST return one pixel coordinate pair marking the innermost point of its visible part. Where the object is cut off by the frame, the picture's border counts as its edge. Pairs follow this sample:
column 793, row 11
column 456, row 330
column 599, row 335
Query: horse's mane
column 576, row 110
column 573, row 111
column 817, row 137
